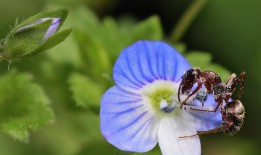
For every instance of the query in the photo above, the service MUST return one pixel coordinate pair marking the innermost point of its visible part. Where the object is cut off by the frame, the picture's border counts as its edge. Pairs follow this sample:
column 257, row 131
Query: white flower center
column 162, row 96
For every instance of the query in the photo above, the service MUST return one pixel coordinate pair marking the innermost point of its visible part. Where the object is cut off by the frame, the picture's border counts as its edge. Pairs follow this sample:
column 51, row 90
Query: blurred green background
column 229, row 30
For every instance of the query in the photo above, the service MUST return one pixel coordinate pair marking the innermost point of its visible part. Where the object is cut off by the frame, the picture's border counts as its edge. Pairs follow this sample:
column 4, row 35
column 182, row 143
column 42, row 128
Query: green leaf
column 83, row 19
column 23, row 106
column 24, row 42
column 66, row 53
column 87, row 93
column 150, row 29
column 199, row 59
column 94, row 53
column 94, row 41
column 180, row 47
column 53, row 40
column 116, row 35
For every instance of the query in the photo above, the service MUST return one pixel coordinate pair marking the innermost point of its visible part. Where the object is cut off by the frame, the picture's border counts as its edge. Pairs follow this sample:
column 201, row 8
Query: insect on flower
column 212, row 81
column 233, row 113
column 142, row 109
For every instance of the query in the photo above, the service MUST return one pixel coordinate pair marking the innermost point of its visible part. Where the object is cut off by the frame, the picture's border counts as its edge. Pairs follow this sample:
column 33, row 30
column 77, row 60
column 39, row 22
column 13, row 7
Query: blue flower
column 143, row 108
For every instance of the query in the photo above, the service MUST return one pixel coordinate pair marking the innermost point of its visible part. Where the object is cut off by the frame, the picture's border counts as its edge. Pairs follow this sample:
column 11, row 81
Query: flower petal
column 33, row 24
column 53, row 28
column 146, row 61
column 127, row 122
column 171, row 128
column 207, row 120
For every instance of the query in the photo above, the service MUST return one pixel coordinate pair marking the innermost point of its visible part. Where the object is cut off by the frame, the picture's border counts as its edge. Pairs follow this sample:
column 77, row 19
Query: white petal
column 174, row 126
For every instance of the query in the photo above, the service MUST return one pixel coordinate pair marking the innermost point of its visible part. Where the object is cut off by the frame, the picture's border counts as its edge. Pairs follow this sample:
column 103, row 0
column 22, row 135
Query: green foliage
column 52, row 41
column 150, row 29
column 23, row 106
column 180, row 47
column 200, row 59
column 87, row 93
column 67, row 53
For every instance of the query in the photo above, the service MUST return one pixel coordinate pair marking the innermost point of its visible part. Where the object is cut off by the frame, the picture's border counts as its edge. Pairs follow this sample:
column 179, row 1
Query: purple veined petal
column 207, row 120
column 147, row 61
column 172, row 127
column 127, row 122
column 53, row 28
column 50, row 31
column 33, row 24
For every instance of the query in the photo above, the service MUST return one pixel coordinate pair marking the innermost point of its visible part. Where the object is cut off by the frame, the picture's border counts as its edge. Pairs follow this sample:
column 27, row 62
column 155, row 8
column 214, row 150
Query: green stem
column 186, row 20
